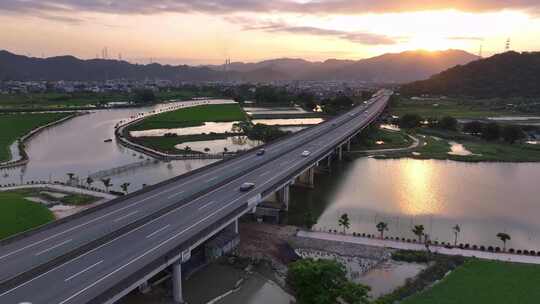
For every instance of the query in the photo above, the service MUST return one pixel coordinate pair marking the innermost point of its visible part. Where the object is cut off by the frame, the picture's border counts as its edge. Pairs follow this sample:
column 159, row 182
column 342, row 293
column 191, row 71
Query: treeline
column 490, row 131
column 279, row 95
column 505, row 75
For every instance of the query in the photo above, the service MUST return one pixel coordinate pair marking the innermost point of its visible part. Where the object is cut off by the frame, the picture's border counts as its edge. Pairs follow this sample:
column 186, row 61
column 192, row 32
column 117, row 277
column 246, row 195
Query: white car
column 305, row 153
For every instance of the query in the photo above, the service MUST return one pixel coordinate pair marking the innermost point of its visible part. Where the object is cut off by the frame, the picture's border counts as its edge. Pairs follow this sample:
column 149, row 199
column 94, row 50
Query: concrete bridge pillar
column 283, row 196
column 307, row 178
column 144, row 288
column 340, row 152
column 348, row 145
column 177, row 282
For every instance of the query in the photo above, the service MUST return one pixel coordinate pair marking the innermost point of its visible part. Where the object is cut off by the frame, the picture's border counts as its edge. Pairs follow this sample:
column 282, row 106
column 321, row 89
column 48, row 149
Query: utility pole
column 507, row 45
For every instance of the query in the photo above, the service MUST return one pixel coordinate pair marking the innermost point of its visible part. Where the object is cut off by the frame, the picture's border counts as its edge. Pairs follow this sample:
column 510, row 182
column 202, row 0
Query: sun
column 431, row 43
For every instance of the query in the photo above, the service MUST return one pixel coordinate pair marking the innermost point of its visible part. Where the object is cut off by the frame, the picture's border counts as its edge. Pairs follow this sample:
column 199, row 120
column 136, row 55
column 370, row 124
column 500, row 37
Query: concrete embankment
column 350, row 239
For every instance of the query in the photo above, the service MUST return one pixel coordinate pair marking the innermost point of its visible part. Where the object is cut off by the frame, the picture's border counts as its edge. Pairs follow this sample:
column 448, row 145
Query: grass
column 167, row 144
column 391, row 139
column 454, row 108
column 437, row 147
column 81, row 99
column 18, row 214
column 78, row 199
column 486, row 282
column 190, row 117
column 14, row 126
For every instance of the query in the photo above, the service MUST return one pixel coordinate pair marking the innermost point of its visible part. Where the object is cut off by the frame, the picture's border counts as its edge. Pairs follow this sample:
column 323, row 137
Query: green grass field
column 167, row 144
column 454, row 108
column 14, row 126
column 190, row 117
column 18, row 214
column 81, row 99
column 391, row 139
column 485, row 282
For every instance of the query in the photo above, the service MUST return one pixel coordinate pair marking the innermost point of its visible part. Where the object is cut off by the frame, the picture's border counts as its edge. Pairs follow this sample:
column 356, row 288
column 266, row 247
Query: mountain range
column 388, row 68
column 509, row 74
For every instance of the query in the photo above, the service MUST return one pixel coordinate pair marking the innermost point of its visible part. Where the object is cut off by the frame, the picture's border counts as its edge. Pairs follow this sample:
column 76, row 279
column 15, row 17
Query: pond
column 233, row 144
column 208, row 127
column 289, row 121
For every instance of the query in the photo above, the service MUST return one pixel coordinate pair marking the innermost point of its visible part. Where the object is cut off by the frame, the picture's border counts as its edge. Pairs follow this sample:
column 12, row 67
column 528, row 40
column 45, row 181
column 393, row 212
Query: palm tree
column 309, row 220
column 187, row 149
column 124, row 187
column 382, row 227
column 418, row 230
column 89, row 181
column 344, row 222
column 456, row 230
column 504, row 237
column 107, row 183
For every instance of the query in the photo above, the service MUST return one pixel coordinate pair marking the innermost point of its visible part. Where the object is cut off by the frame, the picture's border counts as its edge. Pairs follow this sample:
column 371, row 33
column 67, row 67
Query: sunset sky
column 202, row 31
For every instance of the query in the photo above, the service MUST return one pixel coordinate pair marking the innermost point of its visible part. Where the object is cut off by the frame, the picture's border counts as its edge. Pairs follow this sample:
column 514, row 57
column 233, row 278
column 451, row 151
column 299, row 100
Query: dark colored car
column 261, row 152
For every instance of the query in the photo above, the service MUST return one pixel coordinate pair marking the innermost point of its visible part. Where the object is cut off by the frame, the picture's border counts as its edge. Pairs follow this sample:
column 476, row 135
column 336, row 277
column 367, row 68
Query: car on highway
column 261, row 152
column 305, row 153
column 247, row 186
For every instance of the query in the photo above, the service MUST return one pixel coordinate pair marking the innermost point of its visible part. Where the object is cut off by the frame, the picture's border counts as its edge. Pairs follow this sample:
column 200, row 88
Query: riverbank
column 26, row 207
column 19, row 129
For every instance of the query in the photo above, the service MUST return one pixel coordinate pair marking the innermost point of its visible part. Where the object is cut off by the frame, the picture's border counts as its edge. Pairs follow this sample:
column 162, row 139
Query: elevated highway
column 102, row 254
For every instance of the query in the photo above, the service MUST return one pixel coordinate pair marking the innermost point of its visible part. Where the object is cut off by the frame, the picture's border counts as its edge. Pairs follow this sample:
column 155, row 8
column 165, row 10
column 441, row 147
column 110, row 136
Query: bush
column 482, row 248
column 411, row 256
column 474, row 247
column 490, row 249
column 518, row 251
column 511, row 250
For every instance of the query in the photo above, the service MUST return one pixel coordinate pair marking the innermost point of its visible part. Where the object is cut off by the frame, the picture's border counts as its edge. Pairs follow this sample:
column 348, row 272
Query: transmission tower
column 480, row 51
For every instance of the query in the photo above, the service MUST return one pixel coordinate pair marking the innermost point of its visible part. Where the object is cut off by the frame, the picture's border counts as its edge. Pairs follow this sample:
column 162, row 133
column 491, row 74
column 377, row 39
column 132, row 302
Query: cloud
column 282, row 27
column 465, row 38
column 317, row 7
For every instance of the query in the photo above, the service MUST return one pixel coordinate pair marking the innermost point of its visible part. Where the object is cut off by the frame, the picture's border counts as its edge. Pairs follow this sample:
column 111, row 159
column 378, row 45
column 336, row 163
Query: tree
column 125, row 187
column 323, row 282
column 106, row 183
column 504, row 237
column 474, row 127
column 70, row 176
column 309, row 219
column 456, row 230
column 511, row 133
column 448, row 123
column 382, row 227
column 410, row 121
column 491, row 131
column 344, row 222
column 418, row 230
column 144, row 96
column 187, row 149
column 89, row 181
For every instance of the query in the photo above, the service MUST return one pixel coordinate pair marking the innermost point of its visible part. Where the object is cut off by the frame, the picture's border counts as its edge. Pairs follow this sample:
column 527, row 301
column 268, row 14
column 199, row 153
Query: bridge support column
column 144, row 288
column 306, row 179
column 177, row 282
column 236, row 226
column 340, row 152
column 283, row 196
column 348, row 145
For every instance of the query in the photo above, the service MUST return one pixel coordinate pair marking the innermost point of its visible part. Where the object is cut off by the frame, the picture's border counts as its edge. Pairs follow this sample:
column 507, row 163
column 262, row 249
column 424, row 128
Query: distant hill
column 388, row 68
column 398, row 68
column 510, row 74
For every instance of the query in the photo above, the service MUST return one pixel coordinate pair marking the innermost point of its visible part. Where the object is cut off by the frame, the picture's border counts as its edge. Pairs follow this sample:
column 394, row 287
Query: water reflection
column 233, row 144
column 207, row 127
column 418, row 193
column 484, row 199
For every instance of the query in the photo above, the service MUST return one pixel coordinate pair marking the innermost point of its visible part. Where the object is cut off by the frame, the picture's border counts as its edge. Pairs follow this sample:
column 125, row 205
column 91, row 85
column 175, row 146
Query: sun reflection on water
column 418, row 194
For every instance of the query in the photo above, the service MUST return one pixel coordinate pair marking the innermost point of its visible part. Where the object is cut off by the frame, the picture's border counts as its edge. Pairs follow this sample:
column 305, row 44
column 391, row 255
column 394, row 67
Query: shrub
column 482, row 248
column 511, row 250
column 497, row 249
column 518, row 251
column 474, row 247
column 467, row 246
column 490, row 248
column 526, row 252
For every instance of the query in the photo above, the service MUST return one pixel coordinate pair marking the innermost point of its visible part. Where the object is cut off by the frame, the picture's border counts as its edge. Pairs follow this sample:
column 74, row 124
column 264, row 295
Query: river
column 483, row 198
